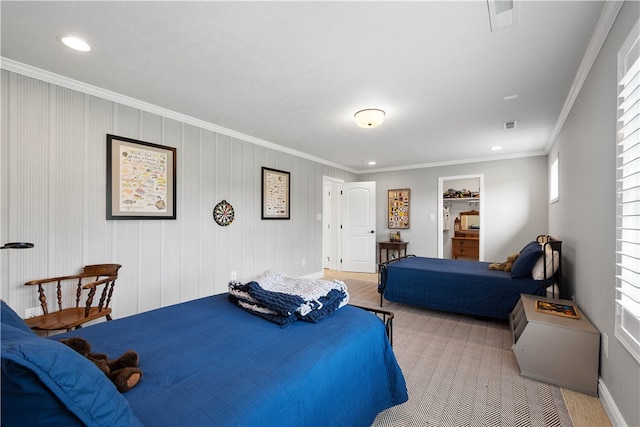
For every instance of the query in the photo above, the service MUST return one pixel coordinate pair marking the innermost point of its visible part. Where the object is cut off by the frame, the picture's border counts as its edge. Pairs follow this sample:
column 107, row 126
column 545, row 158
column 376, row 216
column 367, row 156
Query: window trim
column 627, row 283
column 554, row 182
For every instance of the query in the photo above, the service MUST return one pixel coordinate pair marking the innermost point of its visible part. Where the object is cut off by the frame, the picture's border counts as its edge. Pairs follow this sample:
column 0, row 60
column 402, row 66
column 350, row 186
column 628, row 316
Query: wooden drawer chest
column 465, row 247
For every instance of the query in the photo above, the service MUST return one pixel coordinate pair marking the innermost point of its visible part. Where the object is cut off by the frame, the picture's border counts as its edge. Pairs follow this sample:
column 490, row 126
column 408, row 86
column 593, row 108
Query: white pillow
column 537, row 272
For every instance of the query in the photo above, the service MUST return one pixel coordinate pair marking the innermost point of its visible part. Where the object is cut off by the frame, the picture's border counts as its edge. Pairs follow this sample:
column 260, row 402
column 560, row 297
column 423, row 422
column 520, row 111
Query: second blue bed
column 466, row 287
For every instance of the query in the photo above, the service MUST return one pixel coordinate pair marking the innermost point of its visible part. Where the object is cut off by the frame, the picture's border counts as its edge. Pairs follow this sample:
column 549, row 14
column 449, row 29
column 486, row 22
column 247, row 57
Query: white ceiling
column 293, row 73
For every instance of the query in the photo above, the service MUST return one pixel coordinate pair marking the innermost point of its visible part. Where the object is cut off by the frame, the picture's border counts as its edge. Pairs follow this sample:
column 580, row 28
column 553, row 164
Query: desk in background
column 394, row 246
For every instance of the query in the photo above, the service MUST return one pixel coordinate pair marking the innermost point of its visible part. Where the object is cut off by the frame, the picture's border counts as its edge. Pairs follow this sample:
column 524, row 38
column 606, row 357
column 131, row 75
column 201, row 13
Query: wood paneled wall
column 53, row 184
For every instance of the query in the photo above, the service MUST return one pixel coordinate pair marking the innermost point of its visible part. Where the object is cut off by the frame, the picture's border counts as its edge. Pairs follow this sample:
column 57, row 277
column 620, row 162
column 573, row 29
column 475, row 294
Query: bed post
column 385, row 316
column 555, row 245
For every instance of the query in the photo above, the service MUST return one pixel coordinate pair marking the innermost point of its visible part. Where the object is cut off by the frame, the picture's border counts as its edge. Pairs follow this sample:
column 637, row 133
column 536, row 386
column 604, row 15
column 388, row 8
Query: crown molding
column 59, row 80
column 608, row 16
column 455, row 162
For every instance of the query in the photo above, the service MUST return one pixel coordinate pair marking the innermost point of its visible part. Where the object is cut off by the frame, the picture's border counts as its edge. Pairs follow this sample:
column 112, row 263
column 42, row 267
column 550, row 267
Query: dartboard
column 223, row 213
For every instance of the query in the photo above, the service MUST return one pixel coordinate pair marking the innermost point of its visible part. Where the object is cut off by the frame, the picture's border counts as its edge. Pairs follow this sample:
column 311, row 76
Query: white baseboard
column 317, row 275
column 610, row 406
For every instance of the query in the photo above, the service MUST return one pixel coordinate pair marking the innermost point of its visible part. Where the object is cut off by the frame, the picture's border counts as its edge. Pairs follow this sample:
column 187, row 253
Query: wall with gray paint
column 514, row 203
column 584, row 216
column 53, row 194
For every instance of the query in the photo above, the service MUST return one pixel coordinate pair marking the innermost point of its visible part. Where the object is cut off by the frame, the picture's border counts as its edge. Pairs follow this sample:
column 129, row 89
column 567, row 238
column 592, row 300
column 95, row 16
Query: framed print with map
column 141, row 179
column 276, row 192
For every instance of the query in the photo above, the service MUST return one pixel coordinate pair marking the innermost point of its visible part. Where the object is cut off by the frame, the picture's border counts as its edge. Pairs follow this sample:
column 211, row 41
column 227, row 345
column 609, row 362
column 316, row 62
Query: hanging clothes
column 446, row 219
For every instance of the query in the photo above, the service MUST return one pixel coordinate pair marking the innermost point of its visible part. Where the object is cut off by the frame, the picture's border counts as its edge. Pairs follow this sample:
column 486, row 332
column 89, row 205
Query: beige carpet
column 460, row 371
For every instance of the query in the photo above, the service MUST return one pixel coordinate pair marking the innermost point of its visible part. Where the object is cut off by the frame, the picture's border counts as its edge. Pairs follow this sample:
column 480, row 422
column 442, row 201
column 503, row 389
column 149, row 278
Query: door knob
column 372, row 231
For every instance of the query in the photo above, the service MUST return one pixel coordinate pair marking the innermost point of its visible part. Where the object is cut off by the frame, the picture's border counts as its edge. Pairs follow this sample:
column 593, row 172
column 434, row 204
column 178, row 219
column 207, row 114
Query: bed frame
column 422, row 286
column 385, row 316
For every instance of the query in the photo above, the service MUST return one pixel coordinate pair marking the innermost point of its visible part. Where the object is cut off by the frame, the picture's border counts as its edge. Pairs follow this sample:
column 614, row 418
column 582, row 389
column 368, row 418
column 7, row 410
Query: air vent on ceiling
column 509, row 125
column 502, row 13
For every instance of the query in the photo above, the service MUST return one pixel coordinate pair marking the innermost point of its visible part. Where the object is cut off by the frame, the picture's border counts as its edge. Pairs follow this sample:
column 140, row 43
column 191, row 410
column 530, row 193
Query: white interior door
column 359, row 227
column 328, row 259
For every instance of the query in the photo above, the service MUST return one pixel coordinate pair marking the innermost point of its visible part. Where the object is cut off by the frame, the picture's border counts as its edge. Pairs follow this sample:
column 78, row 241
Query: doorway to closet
column 466, row 192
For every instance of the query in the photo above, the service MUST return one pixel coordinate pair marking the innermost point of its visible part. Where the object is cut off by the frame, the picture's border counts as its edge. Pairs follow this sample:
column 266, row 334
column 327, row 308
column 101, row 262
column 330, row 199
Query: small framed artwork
column 399, row 203
column 276, row 192
column 141, row 179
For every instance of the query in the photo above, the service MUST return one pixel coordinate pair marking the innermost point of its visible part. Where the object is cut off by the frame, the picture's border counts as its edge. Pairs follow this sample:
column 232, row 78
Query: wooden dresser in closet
column 466, row 241
column 466, row 245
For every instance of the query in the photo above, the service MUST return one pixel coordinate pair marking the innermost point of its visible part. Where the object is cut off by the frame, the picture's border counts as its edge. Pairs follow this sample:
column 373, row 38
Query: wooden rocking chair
column 91, row 277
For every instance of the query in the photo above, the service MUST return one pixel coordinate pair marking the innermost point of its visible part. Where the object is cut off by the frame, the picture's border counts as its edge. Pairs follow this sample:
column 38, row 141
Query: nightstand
column 555, row 349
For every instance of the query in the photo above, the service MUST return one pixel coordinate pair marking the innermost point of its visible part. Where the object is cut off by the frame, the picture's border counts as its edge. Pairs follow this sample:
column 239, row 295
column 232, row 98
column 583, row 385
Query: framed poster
column 276, row 192
column 399, row 200
column 141, row 179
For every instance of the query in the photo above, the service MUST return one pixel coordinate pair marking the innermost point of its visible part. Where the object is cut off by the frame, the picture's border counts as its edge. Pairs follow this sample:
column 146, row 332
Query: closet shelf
column 466, row 199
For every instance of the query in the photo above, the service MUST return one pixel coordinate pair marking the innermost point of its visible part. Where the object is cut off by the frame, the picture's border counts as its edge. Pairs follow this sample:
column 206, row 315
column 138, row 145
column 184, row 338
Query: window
column 553, row 181
column 628, row 196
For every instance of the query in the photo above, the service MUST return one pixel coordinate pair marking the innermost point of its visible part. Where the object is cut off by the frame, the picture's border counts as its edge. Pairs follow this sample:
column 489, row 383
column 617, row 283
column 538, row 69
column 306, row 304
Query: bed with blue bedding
column 470, row 287
column 206, row 363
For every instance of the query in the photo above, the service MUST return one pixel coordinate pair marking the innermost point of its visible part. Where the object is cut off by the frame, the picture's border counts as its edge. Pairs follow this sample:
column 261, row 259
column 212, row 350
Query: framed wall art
column 399, row 202
column 276, row 192
column 141, row 179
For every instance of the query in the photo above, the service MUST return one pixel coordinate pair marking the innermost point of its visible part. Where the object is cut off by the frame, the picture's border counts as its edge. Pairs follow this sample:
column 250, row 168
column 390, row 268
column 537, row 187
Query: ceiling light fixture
column 371, row 163
column 75, row 43
column 369, row 118
column 496, row 148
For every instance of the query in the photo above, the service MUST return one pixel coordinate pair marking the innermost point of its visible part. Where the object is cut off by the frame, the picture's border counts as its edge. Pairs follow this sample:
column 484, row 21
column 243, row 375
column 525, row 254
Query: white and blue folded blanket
column 282, row 299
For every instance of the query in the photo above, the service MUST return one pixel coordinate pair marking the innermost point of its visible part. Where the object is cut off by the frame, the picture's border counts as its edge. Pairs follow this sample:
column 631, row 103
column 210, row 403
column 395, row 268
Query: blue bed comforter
column 466, row 287
column 208, row 363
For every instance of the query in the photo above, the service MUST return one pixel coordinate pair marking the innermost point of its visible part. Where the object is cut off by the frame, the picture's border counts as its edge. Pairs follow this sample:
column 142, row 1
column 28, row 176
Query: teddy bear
column 504, row 266
column 123, row 371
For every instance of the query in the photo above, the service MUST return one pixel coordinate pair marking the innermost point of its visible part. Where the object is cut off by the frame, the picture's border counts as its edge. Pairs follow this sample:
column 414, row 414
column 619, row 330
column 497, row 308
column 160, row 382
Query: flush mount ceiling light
column 369, row 118
column 75, row 43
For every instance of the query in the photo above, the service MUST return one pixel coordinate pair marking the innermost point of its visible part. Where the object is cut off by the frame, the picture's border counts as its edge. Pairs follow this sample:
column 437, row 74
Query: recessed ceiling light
column 371, row 163
column 510, row 97
column 496, row 148
column 75, row 43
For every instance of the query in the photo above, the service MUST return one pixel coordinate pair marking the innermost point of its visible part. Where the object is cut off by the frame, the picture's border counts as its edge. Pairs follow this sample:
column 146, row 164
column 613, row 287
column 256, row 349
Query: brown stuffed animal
column 123, row 371
column 504, row 266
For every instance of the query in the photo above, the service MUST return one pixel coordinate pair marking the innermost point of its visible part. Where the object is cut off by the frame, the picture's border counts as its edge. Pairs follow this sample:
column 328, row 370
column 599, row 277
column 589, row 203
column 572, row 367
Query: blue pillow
column 36, row 402
column 10, row 317
column 49, row 376
column 526, row 260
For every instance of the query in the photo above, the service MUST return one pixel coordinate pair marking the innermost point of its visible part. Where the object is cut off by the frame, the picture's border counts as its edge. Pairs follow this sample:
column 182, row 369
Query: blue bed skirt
column 466, row 287
column 209, row 363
